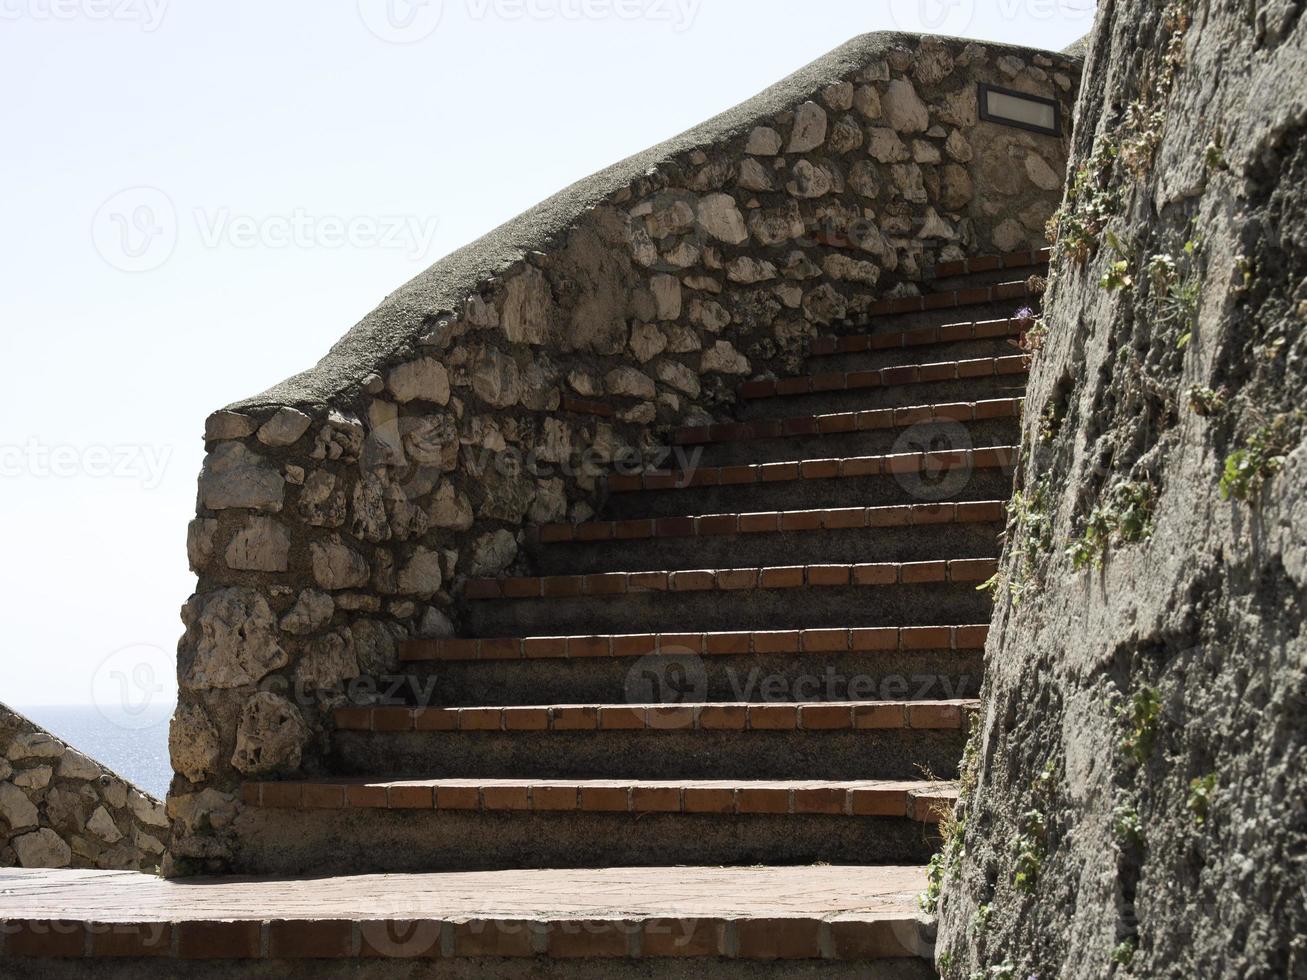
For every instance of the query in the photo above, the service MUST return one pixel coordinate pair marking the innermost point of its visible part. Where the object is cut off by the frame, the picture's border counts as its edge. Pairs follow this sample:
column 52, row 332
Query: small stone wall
column 61, row 809
column 341, row 512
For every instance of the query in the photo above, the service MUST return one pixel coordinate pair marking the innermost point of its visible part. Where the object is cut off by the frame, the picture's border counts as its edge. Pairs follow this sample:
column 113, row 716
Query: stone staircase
column 733, row 703
column 765, row 658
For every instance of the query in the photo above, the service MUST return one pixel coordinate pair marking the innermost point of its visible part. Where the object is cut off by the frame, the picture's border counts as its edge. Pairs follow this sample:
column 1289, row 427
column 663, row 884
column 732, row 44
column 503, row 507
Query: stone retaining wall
column 61, row 809
column 1134, row 795
column 342, row 511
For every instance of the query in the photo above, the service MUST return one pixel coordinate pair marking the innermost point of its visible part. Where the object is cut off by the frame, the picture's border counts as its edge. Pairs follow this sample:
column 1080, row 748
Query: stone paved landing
column 841, row 913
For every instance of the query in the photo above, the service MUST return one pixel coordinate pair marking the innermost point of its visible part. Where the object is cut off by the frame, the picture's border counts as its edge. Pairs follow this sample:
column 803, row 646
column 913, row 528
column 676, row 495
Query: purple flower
column 1025, row 313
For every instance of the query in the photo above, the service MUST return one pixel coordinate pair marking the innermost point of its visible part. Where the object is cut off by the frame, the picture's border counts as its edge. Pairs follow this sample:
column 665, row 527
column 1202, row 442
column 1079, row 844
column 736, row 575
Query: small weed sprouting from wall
column 1127, row 827
column 1248, row 468
column 1207, row 402
column 1031, row 844
column 1140, row 714
column 947, row 861
column 1125, row 518
column 1201, row 791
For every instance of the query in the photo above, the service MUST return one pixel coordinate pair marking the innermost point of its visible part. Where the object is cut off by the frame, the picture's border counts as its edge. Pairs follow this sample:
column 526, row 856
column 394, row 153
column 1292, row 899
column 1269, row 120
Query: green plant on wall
column 1201, row 791
column 1127, row 827
column 1206, row 401
column 947, row 862
column 1248, row 468
column 1125, row 517
column 1092, row 200
column 1141, row 713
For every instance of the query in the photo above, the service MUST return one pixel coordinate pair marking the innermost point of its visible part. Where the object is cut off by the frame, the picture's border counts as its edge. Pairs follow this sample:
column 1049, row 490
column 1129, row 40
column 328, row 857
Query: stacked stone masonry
column 61, row 809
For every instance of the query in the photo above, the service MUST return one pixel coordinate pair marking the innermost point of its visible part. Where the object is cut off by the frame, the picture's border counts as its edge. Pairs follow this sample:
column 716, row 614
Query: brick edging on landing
column 921, row 801
column 861, row 937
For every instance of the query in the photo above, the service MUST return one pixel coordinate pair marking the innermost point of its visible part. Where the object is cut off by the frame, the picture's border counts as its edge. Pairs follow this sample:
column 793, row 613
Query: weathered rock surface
column 1138, row 767
column 271, row 736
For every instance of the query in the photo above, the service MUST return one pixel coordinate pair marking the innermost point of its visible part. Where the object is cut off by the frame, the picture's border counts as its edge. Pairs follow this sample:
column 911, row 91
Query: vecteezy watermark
column 955, row 17
column 380, row 691
column 146, row 13
column 401, row 21
column 410, row 21
column 680, row 14
column 145, row 464
column 945, row 466
column 131, row 681
column 138, row 229
column 135, row 230
column 681, row 677
column 300, row 229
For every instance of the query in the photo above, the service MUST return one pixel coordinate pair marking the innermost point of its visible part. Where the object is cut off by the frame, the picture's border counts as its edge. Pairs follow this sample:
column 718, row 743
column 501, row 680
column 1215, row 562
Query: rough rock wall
column 341, row 512
column 61, row 809
column 1133, row 804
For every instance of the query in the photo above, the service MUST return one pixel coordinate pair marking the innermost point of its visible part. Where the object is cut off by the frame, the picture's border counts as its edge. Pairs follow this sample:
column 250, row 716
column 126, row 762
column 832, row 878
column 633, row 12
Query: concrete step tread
column 887, row 639
column 956, row 571
column 919, row 800
column 949, row 298
column 761, row 522
column 817, row 912
column 908, row 374
column 948, row 333
column 842, row 422
column 816, row 716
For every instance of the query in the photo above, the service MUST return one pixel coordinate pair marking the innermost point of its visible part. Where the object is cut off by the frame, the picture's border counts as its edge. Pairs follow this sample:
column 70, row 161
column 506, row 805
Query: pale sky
column 299, row 159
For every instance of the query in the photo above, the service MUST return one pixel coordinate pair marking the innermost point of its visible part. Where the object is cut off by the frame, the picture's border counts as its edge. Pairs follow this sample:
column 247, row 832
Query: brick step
column 817, row 716
column 768, row 605
column 990, row 263
column 851, row 534
column 861, row 352
column 1011, row 291
column 838, row 423
column 897, row 357
column 917, row 800
column 904, row 322
column 760, row 740
column 798, row 665
column 961, row 332
column 822, row 484
column 624, row 646
column 921, row 436
column 911, row 374
column 612, row 923
column 988, row 387
column 606, row 585
column 296, row 842
column 769, row 522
